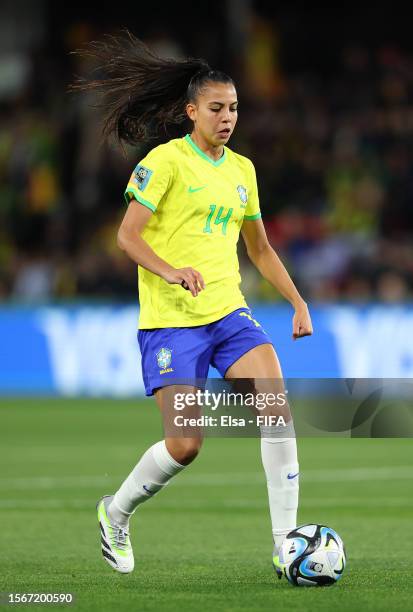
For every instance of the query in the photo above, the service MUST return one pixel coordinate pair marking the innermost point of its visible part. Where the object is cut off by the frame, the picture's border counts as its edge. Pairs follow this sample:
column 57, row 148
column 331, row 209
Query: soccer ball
column 312, row 555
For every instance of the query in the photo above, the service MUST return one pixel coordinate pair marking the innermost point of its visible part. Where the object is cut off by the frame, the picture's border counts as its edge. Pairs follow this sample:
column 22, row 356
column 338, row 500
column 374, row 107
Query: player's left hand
column 302, row 325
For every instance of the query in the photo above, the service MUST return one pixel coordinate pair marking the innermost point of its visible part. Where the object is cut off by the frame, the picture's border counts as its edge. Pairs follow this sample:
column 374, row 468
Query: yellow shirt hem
column 148, row 324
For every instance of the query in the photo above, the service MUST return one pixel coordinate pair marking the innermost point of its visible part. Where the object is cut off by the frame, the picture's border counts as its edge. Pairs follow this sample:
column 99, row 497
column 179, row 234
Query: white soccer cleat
column 277, row 565
column 116, row 546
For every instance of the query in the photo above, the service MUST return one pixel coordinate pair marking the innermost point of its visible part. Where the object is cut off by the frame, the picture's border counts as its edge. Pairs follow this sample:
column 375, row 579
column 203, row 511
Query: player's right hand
column 188, row 278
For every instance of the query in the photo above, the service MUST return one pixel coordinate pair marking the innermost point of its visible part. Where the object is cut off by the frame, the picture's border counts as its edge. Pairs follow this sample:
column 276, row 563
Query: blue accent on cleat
column 277, row 566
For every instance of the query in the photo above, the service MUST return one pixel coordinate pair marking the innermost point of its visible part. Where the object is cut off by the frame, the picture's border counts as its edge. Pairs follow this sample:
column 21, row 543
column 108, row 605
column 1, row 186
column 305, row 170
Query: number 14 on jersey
column 219, row 218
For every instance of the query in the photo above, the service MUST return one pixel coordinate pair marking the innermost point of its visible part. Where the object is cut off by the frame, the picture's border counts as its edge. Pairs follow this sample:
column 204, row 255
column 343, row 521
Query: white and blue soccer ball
column 312, row 555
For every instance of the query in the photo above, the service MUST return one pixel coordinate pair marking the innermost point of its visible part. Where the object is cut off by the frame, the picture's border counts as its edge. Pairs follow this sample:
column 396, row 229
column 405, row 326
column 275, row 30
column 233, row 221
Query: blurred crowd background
column 326, row 115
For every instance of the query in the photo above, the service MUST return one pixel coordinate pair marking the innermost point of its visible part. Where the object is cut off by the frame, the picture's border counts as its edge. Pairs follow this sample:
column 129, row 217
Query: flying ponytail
column 142, row 93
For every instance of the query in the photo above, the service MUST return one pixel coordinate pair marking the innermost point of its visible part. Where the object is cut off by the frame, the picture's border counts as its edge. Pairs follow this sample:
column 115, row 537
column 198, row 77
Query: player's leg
column 278, row 444
column 157, row 466
column 162, row 460
column 168, row 355
column 243, row 350
column 183, row 440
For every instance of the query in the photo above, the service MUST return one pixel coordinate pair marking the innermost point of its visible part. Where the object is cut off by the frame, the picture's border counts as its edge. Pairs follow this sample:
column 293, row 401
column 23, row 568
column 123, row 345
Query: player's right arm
column 131, row 241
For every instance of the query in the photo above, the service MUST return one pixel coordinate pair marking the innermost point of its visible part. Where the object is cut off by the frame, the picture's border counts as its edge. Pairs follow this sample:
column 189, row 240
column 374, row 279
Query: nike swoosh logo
column 291, row 476
column 193, row 189
column 147, row 490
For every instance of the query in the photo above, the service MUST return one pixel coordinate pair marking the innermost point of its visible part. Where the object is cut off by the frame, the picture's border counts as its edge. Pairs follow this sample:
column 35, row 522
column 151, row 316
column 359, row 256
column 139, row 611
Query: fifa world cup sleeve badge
column 141, row 176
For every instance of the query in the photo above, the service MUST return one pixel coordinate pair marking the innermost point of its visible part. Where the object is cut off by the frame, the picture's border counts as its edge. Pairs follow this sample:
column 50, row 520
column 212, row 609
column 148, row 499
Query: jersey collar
column 195, row 147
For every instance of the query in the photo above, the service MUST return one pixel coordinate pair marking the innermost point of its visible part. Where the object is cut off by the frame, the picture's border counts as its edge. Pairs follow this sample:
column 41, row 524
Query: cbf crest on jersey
column 164, row 358
column 242, row 192
column 141, row 176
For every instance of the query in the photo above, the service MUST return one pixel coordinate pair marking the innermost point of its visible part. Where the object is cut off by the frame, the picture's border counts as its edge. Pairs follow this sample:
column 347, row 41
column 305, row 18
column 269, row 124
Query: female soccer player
column 188, row 200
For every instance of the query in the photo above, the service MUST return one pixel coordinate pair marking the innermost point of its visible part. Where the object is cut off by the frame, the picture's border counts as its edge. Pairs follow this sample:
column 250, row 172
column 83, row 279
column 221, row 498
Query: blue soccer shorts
column 187, row 352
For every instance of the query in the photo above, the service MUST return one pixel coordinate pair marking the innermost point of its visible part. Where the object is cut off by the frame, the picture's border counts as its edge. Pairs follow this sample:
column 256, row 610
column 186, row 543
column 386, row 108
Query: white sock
column 153, row 471
column 279, row 458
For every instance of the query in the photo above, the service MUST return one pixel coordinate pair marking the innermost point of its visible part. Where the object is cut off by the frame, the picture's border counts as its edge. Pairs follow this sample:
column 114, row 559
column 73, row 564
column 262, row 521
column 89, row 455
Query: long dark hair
column 142, row 93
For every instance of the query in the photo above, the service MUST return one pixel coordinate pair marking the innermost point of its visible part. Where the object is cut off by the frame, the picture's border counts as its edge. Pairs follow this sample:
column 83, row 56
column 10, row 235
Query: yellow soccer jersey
column 198, row 208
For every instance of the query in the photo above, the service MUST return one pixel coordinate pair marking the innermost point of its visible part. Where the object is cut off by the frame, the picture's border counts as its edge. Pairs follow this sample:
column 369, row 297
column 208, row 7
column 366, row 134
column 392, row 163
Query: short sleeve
column 150, row 180
column 252, row 210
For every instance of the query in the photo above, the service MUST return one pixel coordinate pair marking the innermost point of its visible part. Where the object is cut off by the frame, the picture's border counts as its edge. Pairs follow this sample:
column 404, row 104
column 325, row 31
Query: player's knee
column 184, row 450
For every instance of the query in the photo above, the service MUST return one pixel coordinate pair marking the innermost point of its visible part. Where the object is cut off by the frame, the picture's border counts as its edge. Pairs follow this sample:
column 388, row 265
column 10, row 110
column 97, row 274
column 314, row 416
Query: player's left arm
column 271, row 267
column 265, row 258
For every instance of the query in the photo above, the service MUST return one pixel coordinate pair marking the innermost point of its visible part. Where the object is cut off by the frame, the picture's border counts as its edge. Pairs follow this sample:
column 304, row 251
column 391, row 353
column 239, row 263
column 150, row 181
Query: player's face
column 215, row 112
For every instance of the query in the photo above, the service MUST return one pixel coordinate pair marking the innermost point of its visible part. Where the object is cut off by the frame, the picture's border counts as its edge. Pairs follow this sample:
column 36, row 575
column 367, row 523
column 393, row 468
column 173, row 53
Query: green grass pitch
column 204, row 542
